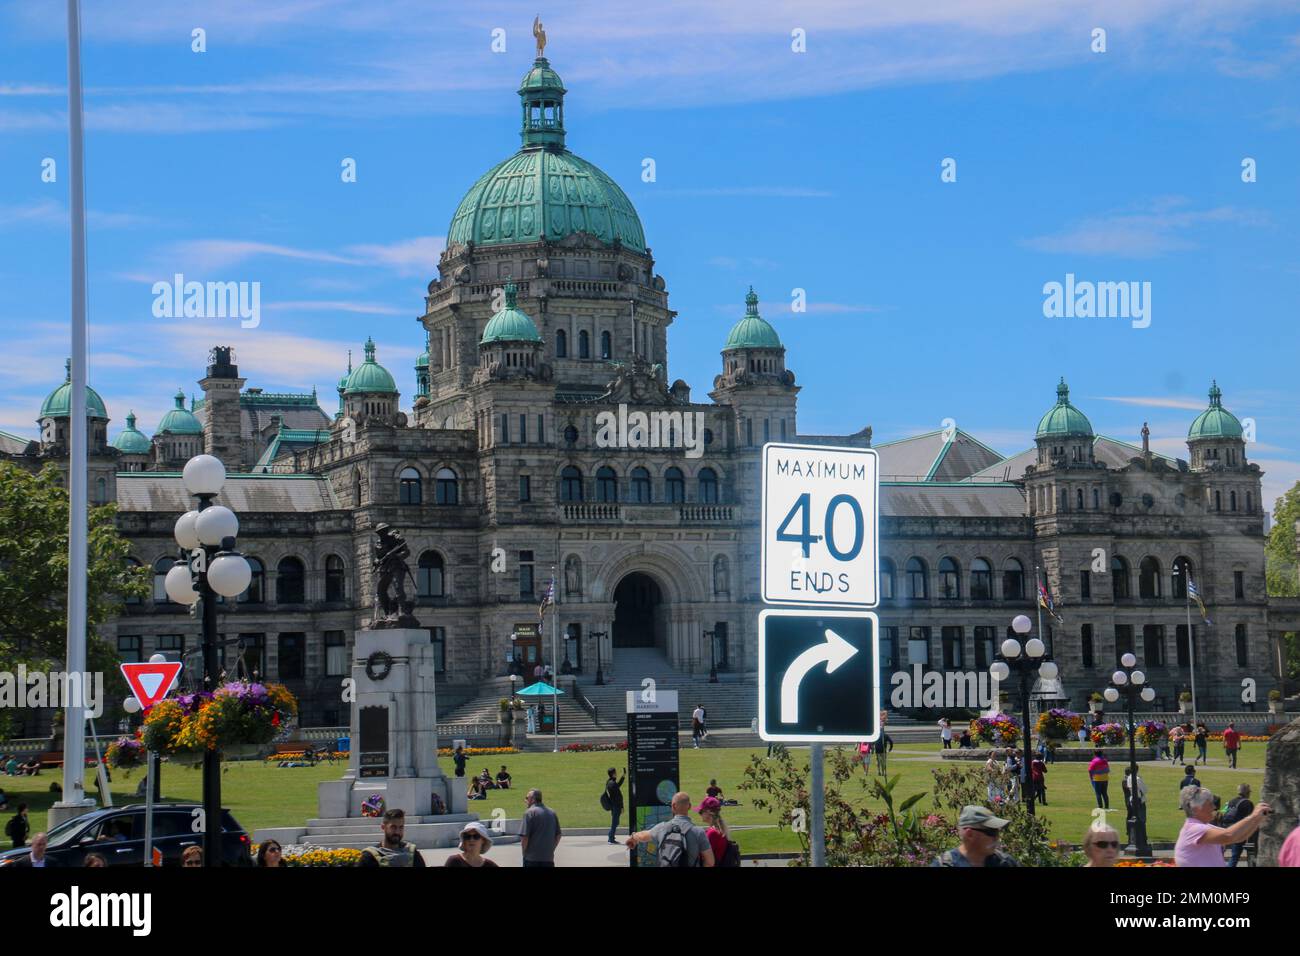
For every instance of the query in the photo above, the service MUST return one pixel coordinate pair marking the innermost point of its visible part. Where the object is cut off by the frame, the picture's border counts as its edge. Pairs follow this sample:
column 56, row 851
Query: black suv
column 117, row 834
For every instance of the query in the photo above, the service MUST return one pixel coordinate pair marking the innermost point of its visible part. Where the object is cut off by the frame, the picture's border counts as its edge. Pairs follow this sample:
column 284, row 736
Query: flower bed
column 1059, row 724
column 1108, row 735
column 1257, row 738
column 1000, row 730
column 589, row 748
column 1149, row 732
column 323, row 857
column 235, row 714
column 478, row 751
column 300, row 754
column 1127, row 863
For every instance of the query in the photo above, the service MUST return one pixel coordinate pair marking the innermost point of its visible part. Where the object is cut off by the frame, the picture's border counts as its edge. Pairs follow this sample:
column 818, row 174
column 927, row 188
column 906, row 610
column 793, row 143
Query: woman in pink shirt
column 1200, row 842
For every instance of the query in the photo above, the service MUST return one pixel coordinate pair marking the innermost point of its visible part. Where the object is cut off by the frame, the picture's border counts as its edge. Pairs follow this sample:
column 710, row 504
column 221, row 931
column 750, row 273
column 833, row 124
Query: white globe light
column 204, row 475
column 1011, row 647
column 1128, row 660
column 1034, row 647
column 131, row 705
column 1048, row 670
column 179, row 585
column 1111, row 694
column 1119, row 678
column 999, row 670
column 158, row 659
column 1148, row 694
column 186, row 536
column 229, row 574
column 215, row 524
column 1138, row 677
column 1021, row 624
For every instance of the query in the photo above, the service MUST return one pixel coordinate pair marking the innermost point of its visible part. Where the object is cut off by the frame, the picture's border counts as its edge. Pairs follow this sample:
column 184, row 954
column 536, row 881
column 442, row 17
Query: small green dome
column 1063, row 418
column 753, row 331
column 179, row 421
column 58, row 404
column 132, row 441
column 541, row 78
column 511, row 324
column 1216, row 421
column 370, row 376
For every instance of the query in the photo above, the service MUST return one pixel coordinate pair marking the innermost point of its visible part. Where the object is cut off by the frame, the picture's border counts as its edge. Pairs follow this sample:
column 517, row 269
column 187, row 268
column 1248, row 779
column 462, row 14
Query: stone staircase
column 732, row 702
column 486, row 709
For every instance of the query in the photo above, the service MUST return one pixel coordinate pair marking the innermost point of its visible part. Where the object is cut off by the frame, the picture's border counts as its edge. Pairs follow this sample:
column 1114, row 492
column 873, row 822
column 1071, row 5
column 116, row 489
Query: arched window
column 606, row 484
column 445, row 487
column 640, row 486
column 561, row 344
column 1096, row 499
column 429, row 579
column 1013, row 580
column 674, row 485
column 1218, row 501
column 408, row 487
column 290, row 582
column 605, row 349
column 1119, row 572
column 255, row 593
column 1232, row 498
column 981, row 580
column 584, row 345
column 160, row 569
column 335, row 579
column 1149, row 578
column 1178, row 580
column 131, row 565
column 1078, row 499
column 886, row 579
column 949, row 580
column 916, row 584
column 570, row 484
column 708, row 486
column 570, row 434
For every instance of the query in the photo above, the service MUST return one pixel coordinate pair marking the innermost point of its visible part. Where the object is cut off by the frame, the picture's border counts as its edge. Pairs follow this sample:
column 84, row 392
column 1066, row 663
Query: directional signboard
column 818, row 678
column 150, row 681
column 820, row 544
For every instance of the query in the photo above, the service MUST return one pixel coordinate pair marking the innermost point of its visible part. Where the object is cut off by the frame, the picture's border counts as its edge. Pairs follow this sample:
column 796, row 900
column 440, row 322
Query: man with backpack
column 678, row 842
column 1238, row 808
column 612, row 800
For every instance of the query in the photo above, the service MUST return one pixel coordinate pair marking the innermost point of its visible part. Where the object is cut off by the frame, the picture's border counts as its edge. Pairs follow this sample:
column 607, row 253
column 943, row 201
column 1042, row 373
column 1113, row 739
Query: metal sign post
column 818, row 835
column 150, row 760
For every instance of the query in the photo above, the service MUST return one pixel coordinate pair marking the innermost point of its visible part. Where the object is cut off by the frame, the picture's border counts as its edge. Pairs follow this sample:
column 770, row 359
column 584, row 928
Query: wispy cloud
column 417, row 256
column 325, row 305
column 1151, row 401
column 212, row 254
column 1163, row 225
column 783, row 192
column 49, row 212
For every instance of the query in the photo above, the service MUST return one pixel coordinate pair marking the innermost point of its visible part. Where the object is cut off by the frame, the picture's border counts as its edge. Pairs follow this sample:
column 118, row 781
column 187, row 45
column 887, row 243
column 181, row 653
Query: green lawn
column 262, row 795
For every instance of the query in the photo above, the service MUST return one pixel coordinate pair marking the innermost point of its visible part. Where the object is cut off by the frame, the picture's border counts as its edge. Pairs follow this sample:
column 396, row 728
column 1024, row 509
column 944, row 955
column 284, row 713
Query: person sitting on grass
column 476, row 791
column 486, row 781
column 503, row 778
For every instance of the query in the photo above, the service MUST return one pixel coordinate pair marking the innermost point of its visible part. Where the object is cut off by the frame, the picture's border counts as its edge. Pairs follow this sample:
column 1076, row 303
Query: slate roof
column 951, row 500
column 243, row 494
column 13, row 444
column 298, row 412
column 930, row 457
column 290, row 440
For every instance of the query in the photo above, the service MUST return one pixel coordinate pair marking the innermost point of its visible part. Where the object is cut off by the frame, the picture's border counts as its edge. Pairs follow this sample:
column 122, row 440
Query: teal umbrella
column 540, row 689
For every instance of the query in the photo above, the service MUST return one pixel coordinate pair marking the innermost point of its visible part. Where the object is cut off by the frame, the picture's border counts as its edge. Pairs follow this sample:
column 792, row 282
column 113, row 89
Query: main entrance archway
column 636, row 602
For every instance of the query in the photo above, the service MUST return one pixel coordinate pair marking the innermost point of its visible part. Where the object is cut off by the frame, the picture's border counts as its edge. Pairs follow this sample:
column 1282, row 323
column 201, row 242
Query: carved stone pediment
column 637, row 382
column 580, row 240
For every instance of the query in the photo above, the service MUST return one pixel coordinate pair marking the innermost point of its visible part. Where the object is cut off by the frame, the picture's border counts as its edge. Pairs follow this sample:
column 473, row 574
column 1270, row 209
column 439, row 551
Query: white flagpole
column 555, row 674
column 1191, row 643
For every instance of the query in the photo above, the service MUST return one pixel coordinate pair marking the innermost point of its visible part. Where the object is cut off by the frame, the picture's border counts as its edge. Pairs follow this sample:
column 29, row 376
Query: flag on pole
column 1046, row 603
column 1194, row 593
column 547, row 599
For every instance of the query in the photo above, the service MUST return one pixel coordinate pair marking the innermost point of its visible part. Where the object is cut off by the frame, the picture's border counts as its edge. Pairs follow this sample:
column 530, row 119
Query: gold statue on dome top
column 539, row 32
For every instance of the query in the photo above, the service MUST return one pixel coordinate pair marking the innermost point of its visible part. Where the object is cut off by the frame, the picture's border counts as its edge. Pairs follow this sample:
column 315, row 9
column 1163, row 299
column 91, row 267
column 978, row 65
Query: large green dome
column 132, row 441
column 179, row 420
column 544, row 191
column 58, row 404
column 370, row 376
column 1063, row 418
column 1216, row 421
column 511, row 324
column 753, row 331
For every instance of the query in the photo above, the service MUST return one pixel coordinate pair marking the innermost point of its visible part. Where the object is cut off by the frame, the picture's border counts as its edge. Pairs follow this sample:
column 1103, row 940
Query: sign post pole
column 149, row 760
column 818, row 785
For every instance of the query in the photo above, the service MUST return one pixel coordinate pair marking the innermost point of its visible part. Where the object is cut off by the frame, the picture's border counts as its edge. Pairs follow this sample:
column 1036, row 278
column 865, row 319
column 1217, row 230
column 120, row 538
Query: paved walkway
column 574, row 850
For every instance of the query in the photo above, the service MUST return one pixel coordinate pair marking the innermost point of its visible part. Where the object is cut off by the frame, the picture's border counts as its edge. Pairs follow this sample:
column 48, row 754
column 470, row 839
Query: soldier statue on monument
column 393, row 608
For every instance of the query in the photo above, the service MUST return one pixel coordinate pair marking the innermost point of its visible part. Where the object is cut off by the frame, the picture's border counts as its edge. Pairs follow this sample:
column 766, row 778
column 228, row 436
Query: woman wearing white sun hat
column 474, row 842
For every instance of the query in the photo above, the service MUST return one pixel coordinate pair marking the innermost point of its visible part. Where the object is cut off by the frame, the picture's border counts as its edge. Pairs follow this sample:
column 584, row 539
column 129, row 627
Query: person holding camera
column 1200, row 842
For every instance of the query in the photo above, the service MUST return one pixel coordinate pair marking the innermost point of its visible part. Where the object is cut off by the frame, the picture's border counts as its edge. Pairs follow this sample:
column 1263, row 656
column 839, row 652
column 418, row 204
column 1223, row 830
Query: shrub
column 999, row 729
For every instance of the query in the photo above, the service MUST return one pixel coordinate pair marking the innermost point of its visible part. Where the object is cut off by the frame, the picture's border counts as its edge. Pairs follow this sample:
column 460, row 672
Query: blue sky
column 817, row 171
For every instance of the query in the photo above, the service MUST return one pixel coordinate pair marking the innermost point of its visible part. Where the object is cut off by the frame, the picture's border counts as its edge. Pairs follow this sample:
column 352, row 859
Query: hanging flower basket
column 999, row 729
column 1149, row 732
column 1108, row 735
column 125, row 754
column 1059, row 724
column 237, row 714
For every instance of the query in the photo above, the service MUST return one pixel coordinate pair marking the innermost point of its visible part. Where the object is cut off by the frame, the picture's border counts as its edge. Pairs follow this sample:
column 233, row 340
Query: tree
column 34, row 575
column 1280, row 567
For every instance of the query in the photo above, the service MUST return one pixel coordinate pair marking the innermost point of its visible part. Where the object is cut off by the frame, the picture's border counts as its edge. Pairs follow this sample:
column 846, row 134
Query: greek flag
column 1194, row 593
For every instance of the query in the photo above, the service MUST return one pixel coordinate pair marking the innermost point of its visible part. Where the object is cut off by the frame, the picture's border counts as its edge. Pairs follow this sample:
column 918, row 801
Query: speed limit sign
column 820, row 535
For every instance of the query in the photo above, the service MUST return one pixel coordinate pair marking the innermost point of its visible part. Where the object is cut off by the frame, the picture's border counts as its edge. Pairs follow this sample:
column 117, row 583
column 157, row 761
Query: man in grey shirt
column 696, row 843
column 541, row 834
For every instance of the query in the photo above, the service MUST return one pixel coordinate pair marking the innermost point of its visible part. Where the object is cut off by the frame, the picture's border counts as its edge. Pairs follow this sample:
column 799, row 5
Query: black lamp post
column 207, row 536
column 1132, row 684
column 600, row 665
column 1024, row 662
column 713, row 658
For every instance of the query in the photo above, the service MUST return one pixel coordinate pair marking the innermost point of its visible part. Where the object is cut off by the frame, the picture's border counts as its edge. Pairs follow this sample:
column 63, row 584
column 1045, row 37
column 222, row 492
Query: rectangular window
column 888, row 653
column 336, row 654
column 767, row 430
column 984, row 638
column 1123, row 641
column 783, row 429
column 918, row 646
column 438, row 636
column 250, row 661
column 952, row 659
column 505, row 429
column 1239, row 585
column 128, row 648
column 1182, row 650
column 1085, row 641
column 526, row 589
column 1085, row 584
column 1153, row 645
column 292, row 657
column 1242, row 656
column 525, row 488
column 749, row 435
column 171, row 646
column 541, row 428
column 523, row 428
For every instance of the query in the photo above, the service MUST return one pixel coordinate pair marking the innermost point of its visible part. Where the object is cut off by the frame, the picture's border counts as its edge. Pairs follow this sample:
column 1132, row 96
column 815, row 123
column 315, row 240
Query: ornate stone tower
column 222, row 434
column 370, row 394
column 1217, row 444
column 755, row 382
